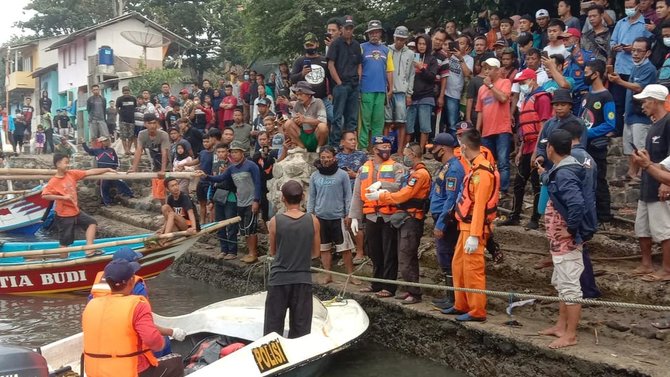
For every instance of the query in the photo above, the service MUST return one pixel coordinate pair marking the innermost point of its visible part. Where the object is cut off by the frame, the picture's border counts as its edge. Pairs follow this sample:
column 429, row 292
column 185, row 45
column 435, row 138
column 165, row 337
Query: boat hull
column 23, row 214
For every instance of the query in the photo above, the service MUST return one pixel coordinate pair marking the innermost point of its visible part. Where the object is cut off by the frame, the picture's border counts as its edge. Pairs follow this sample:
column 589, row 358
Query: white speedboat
column 335, row 326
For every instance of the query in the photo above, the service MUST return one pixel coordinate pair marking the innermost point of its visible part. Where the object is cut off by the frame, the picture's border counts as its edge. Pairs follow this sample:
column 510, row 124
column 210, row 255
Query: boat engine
column 18, row 361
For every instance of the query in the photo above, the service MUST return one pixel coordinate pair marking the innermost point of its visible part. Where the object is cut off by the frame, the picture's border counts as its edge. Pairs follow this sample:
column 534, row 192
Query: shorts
column 66, row 226
column 39, row 145
column 64, row 132
column 635, row 134
column 157, row 188
column 111, row 127
column 309, row 140
column 419, row 114
column 248, row 222
column 201, row 191
column 395, row 110
column 333, row 234
column 97, row 128
column 137, row 130
column 568, row 269
column 126, row 130
column 653, row 220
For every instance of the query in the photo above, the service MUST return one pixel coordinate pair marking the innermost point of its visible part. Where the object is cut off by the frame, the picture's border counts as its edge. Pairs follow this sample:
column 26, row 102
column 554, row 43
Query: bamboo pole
column 106, row 176
column 57, row 250
column 14, row 192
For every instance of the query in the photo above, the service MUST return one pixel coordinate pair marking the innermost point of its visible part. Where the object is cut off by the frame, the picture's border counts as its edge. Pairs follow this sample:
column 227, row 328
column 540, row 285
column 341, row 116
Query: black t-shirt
column 658, row 146
column 171, row 119
column 45, row 104
column 347, row 57
column 194, row 137
column 318, row 79
column 19, row 128
column 62, row 121
column 181, row 205
column 126, row 106
column 593, row 108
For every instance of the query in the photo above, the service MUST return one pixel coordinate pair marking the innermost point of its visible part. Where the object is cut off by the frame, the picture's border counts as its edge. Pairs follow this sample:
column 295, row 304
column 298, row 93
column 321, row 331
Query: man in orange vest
column 475, row 211
column 120, row 334
column 534, row 110
column 379, row 173
column 411, row 201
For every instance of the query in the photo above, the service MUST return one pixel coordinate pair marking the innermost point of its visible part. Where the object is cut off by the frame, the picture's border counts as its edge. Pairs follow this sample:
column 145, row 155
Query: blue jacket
column 575, row 69
column 565, row 184
column 590, row 182
column 549, row 126
column 106, row 157
column 446, row 188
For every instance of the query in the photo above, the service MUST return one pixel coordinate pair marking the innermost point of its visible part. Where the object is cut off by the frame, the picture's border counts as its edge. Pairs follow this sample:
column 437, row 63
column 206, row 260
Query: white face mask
column 666, row 42
column 524, row 89
column 630, row 12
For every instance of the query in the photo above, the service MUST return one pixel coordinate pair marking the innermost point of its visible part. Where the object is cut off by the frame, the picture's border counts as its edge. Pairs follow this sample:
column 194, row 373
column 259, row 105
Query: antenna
column 145, row 40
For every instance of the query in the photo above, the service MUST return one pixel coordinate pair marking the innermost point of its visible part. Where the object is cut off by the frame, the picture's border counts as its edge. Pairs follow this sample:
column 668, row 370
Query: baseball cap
column 103, row 138
column 464, row 126
column 236, row 144
column 444, row 139
column 401, row 32
column 411, row 44
column 541, row 13
column 380, row 140
column 150, row 117
column 120, row 270
column 492, row 62
column 655, row 91
column 526, row 74
column 572, row 32
column 183, row 91
column 500, row 42
column 263, row 102
column 173, row 128
column 348, row 21
column 126, row 253
column 310, row 38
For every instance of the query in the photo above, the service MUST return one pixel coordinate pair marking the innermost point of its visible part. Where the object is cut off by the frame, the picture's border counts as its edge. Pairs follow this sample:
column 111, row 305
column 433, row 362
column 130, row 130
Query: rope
column 510, row 295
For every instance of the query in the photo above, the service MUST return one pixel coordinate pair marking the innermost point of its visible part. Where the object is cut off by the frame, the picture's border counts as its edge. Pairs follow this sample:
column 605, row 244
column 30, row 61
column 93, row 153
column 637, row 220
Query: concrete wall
column 111, row 36
column 73, row 65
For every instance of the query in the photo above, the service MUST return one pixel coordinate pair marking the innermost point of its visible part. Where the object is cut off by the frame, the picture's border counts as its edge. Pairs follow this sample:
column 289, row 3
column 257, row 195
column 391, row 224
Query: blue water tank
column 105, row 55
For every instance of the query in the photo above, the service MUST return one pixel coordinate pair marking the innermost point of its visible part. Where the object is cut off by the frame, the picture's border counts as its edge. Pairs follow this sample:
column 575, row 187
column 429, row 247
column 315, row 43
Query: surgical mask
column 588, row 80
column 246, row 77
column 630, row 12
column 666, row 42
column 384, row 154
column 640, row 62
column 310, row 51
column 407, row 161
column 524, row 89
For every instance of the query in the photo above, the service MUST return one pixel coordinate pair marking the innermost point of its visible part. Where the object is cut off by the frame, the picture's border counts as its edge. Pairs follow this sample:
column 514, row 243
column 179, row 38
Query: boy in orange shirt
column 62, row 189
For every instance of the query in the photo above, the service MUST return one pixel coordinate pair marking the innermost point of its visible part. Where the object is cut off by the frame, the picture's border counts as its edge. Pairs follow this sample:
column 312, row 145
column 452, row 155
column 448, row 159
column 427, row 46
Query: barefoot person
column 62, row 189
column 178, row 211
column 329, row 199
column 293, row 241
column 568, row 226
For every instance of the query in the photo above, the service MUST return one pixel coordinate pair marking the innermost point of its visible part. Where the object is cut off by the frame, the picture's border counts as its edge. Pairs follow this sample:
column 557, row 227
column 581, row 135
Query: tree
column 151, row 79
column 60, row 17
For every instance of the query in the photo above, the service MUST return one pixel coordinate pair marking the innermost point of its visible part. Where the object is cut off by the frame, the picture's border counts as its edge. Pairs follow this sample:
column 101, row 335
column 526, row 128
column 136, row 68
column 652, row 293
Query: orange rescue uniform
column 469, row 269
column 466, row 164
column 412, row 197
column 101, row 288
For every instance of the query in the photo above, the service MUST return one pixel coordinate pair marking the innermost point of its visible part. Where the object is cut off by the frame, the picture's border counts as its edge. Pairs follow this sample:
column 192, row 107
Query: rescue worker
column 119, row 331
column 411, row 201
column 535, row 109
column 446, row 188
column 379, row 173
column 475, row 211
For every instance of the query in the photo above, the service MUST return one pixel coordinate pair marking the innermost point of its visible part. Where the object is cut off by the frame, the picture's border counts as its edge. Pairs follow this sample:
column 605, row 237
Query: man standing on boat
column 62, row 188
column 120, row 334
column 294, row 239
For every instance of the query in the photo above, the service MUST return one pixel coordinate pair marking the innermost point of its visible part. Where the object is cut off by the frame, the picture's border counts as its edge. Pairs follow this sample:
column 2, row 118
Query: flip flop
column 468, row 318
column 653, row 278
column 384, row 294
column 663, row 324
column 641, row 272
column 95, row 253
column 366, row 290
column 411, row 300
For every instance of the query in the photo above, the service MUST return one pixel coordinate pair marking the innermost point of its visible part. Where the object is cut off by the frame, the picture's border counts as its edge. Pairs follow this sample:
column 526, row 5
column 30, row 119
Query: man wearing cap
column 555, row 43
column 376, row 83
column 263, row 105
column 125, row 105
column 157, row 142
column 542, row 19
column 313, row 68
column 100, row 286
column 636, row 122
column 344, row 64
column 245, row 176
column 446, row 188
column 64, row 147
column 120, row 333
column 575, row 63
column 395, row 111
column 381, row 172
column 534, row 111
column 307, row 128
column 105, row 157
column 652, row 222
column 494, row 120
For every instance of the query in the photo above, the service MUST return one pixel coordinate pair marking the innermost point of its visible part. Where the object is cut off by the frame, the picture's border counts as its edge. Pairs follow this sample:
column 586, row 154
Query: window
column 74, row 55
column 83, row 50
column 62, row 52
column 70, row 55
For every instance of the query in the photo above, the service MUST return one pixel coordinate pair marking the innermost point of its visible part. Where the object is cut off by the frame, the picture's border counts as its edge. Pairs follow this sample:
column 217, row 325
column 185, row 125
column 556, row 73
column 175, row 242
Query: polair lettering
column 63, row 277
column 269, row 356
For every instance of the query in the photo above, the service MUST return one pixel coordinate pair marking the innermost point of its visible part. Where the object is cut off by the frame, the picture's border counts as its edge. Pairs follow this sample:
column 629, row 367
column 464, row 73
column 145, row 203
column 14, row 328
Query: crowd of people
column 545, row 94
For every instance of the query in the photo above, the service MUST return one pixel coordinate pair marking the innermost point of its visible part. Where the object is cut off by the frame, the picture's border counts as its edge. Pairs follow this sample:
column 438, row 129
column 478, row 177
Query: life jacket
column 418, row 207
column 385, row 174
column 111, row 344
column 488, row 155
column 465, row 203
column 530, row 123
column 101, row 288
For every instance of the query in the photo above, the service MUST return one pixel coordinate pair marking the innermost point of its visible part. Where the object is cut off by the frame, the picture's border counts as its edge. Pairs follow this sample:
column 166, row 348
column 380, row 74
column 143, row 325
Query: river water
column 38, row 320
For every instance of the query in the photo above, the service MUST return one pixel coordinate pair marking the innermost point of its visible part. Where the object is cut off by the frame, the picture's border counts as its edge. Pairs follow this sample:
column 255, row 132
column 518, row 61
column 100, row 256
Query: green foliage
column 151, row 79
column 59, row 17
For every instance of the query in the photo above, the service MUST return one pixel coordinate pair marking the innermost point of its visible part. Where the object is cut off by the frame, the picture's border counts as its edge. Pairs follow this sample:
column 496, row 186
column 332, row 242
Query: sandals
column 654, row 278
column 663, row 324
column 641, row 271
column 95, row 253
column 367, row 290
column 410, row 300
column 359, row 261
column 384, row 294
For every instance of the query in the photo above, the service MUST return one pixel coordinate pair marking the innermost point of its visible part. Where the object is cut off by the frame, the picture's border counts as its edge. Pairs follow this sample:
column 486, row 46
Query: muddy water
column 35, row 321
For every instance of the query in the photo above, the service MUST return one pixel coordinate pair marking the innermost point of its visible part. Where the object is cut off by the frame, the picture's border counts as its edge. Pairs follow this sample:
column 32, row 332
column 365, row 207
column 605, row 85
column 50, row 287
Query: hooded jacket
column 403, row 75
column 424, row 80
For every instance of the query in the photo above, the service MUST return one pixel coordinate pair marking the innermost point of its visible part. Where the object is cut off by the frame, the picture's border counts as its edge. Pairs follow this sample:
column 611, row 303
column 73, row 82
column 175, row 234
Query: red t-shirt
column 143, row 323
column 227, row 114
column 544, row 111
column 245, row 86
column 65, row 185
column 495, row 115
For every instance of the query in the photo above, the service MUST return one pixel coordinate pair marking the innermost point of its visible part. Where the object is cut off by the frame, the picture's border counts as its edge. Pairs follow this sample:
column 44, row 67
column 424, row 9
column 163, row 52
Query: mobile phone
column 545, row 54
column 328, row 35
column 610, row 69
column 633, row 146
column 417, row 57
column 647, row 21
column 537, row 164
column 453, row 46
column 307, row 62
column 279, row 114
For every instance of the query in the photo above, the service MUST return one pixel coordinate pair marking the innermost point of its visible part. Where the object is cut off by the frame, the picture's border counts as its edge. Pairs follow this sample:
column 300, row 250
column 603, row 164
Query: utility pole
column 119, row 6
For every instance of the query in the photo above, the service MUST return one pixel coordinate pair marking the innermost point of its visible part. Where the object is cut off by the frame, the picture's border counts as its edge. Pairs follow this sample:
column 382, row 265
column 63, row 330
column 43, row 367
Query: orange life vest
column 464, row 162
column 111, row 344
column 530, row 123
column 101, row 288
column 465, row 203
column 385, row 174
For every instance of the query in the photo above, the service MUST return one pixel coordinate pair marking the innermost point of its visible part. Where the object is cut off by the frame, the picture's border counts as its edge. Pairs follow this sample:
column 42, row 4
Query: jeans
column 423, row 113
column 619, row 96
column 329, row 110
column 453, row 114
column 500, row 147
column 345, row 111
column 525, row 172
column 587, row 280
column 121, row 189
column 49, row 140
column 227, row 235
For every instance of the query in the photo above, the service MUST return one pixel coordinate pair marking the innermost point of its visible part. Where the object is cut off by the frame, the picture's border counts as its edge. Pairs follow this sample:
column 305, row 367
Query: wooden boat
column 23, row 214
column 23, row 271
column 335, row 327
